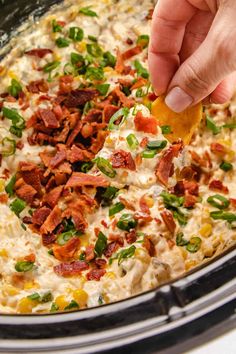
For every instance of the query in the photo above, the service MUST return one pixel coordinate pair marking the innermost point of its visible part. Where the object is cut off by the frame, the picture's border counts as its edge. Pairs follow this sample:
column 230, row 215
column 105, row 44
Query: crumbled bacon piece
column 49, row 119
column 131, row 237
column 74, row 133
column 27, row 220
column 48, row 239
column 108, row 112
column 188, row 173
column 30, row 173
column 94, row 115
column 57, row 159
column 165, row 165
column 148, row 244
column 128, row 205
column 132, row 52
column 26, row 193
column 78, row 97
column 233, row 202
column 39, row 52
column 218, row 149
column 40, row 215
column 139, row 83
column 145, row 124
column 3, row 198
column 53, row 196
column 190, row 200
column 100, row 263
column 111, row 248
column 95, row 274
column 79, row 179
column 98, row 142
column 79, row 220
column 76, row 154
column 168, row 219
column 143, row 205
column 37, row 86
column 70, row 269
column 65, row 84
column 121, row 97
column 52, row 221
column 30, row 258
column 67, row 251
column 123, row 159
column 89, row 253
column 217, row 185
column 191, row 187
column 143, row 218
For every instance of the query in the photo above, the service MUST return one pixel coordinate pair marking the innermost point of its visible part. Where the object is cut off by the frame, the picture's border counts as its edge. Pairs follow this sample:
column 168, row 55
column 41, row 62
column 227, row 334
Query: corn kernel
column 11, row 74
column 189, row 264
column 184, row 253
column 2, row 185
column 110, row 275
column 230, row 156
column 26, row 305
column 142, row 255
column 31, row 285
column 81, row 46
column 56, row 57
column 84, row 240
column 206, row 230
column 10, row 290
column 81, row 297
column 149, row 201
column 3, row 253
column 61, row 302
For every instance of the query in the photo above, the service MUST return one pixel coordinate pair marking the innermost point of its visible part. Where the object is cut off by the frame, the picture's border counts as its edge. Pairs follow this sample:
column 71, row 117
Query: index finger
column 168, row 27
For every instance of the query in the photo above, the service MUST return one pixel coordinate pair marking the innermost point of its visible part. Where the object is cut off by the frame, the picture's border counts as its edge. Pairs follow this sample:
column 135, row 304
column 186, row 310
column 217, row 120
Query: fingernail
column 178, row 100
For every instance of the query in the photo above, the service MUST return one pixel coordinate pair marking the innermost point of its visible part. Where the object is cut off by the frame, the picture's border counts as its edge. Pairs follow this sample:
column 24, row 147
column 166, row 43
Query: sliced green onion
column 54, row 307
column 86, row 166
column 48, row 68
column 17, row 206
column 123, row 254
column 34, row 297
column 16, row 131
column 226, row 166
column 194, row 244
column 72, row 305
column 116, row 208
column 77, row 59
column 12, row 114
column 109, row 59
column 56, row 27
column 171, row 200
column 123, row 112
column 8, row 147
column 166, row 129
column 87, row 11
column 126, row 222
column 110, row 193
column 103, row 89
column 92, row 38
column 10, row 186
column 105, row 167
column 212, row 126
column 181, row 217
column 62, row 42
column 46, row 297
column 15, row 88
column 156, row 144
column 94, row 49
column 140, row 93
column 76, row 33
column 180, row 240
column 100, row 244
column 143, row 40
column 221, row 215
column 24, row 266
column 149, row 154
column 141, row 71
column 64, row 237
column 218, row 201
column 132, row 141
column 230, row 126
column 93, row 73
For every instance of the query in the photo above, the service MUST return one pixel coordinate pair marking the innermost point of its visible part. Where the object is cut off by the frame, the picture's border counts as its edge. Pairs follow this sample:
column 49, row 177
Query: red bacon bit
column 53, row 196
column 40, row 215
column 129, row 41
column 143, row 218
column 52, row 221
column 191, row 187
column 67, row 251
column 145, row 124
column 139, row 83
column 78, row 97
column 32, row 121
column 131, row 237
column 65, row 84
column 128, row 205
column 188, row 173
column 39, row 52
column 120, row 65
column 148, row 244
column 152, row 97
column 100, row 263
column 27, row 220
column 143, row 205
column 74, row 133
column 218, row 149
column 165, row 165
column 143, row 142
column 201, row 161
column 70, row 269
column 30, row 258
column 38, row 86
column 3, row 198
column 97, row 144
column 120, row 96
column 49, row 118
column 104, row 223
column 95, row 274
column 168, row 219
column 94, row 115
column 217, row 185
column 123, row 159
column 26, row 193
column 190, row 200
column 111, row 248
column 79, row 179
column 233, row 202
column 57, row 159
column 132, row 52
column 79, row 220
column 76, row 154
column 19, row 145
column 48, row 239
column 150, row 14
column 89, row 253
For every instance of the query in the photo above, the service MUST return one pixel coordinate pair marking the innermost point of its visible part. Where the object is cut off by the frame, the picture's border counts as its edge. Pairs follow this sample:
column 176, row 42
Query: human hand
column 192, row 52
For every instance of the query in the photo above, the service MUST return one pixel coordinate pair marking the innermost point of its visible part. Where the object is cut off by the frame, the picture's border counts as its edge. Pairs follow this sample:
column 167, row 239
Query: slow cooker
column 174, row 317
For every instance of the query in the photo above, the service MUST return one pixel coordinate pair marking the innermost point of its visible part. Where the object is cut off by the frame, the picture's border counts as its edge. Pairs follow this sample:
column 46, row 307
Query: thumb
column 203, row 71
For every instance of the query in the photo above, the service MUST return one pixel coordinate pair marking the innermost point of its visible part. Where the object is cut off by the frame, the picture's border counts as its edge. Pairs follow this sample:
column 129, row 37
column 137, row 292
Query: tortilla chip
column 183, row 125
